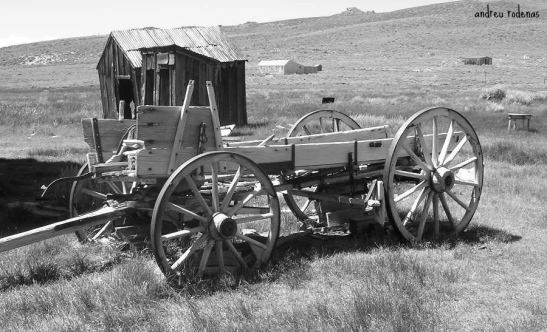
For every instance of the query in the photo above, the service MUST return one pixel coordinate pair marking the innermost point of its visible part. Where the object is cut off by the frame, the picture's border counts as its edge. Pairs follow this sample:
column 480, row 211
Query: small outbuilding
column 286, row 67
column 280, row 67
column 153, row 66
column 485, row 60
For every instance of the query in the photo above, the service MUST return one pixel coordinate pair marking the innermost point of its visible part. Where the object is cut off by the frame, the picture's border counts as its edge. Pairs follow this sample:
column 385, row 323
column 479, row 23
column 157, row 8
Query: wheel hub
column 222, row 227
column 442, row 179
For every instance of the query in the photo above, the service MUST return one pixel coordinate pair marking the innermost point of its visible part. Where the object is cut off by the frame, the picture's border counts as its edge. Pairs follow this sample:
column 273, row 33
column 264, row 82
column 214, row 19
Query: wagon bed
column 210, row 207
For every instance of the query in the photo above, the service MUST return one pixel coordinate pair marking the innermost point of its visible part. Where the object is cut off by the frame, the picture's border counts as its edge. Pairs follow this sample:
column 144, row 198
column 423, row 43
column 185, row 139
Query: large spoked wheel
column 317, row 122
column 433, row 175
column 89, row 195
column 217, row 214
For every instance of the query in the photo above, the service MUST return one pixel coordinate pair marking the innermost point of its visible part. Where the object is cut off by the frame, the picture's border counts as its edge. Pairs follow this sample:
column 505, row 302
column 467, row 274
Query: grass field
column 493, row 277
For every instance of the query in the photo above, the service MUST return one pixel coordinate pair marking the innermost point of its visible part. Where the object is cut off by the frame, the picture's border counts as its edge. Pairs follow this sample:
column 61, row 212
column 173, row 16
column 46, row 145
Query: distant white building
column 280, row 67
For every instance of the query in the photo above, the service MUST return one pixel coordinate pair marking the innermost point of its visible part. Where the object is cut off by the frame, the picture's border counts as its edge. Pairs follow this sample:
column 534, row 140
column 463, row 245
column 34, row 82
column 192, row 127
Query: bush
column 540, row 95
column 497, row 92
column 519, row 97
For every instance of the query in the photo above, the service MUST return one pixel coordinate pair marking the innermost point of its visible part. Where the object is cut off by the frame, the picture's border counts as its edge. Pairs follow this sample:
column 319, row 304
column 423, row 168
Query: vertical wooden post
column 121, row 110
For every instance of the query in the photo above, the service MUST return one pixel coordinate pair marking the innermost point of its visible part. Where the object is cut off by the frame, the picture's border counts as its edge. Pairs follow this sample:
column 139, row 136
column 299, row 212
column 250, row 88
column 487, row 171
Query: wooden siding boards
column 207, row 56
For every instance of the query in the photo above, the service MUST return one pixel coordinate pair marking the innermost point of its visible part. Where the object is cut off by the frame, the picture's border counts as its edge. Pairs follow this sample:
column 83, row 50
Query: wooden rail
column 94, row 218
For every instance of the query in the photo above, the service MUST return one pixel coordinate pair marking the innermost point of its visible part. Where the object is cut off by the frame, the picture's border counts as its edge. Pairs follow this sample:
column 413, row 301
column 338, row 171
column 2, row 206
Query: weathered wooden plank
column 157, row 126
column 98, row 217
column 342, row 136
column 155, row 162
column 280, row 157
column 111, row 132
column 324, row 155
column 180, row 128
column 214, row 116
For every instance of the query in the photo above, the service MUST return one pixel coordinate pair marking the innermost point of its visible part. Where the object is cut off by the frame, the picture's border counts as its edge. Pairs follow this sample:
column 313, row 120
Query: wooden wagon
column 210, row 207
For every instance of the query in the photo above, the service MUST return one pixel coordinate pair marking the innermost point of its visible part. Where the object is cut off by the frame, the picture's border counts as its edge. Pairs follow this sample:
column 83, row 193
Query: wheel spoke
column 214, row 191
column 446, row 144
column 252, row 241
column 252, row 210
column 196, row 245
column 425, row 148
column 305, row 205
column 466, row 183
column 186, row 212
column 198, row 196
column 205, row 256
column 423, row 194
column 114, row 187
column 231, row 190
column 181, row 233
column 409, row 192
column 306, row 130
column 454, row 152
column 447, row 210
column 220, row 257
column 102, row 230
column 253, row 218
column 436, row 220
column 245, row 201
column 237, row 256
column 462, row 164
column 424, row 218
column 414, row 157
column 93, row 193
column 457, row 200
column 335, row 124
column 321, row 125
column 410, row 174
column 434, row 143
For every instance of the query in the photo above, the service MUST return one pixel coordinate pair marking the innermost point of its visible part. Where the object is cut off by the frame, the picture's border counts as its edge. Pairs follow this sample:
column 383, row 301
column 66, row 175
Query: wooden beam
column 180, row 128
column 97, row 217
column 379, row 132
column 214, row 115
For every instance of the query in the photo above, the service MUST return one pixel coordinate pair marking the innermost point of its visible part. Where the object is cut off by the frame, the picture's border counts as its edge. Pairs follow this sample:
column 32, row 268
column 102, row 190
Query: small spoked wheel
column 89, row 195
column 217, row 214
column 317, row 122
column 322, row 121
column 433, row 175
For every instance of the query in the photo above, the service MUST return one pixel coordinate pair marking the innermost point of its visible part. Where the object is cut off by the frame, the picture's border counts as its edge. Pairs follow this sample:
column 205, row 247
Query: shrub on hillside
column 497, row 92
column 540, row 95
column 519, row 97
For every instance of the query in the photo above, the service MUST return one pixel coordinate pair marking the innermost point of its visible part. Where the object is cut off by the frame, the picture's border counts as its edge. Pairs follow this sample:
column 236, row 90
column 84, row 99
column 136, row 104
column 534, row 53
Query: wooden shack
column 485, row 60
column 153, row 66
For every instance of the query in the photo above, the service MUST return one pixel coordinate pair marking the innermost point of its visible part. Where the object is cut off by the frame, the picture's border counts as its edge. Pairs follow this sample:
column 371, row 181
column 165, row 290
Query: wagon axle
column 222, row 227
column 441, row 179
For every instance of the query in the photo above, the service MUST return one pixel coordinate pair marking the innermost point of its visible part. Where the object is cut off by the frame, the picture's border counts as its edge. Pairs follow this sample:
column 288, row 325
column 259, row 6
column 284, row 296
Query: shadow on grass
column 482, row 234
column 21, row 181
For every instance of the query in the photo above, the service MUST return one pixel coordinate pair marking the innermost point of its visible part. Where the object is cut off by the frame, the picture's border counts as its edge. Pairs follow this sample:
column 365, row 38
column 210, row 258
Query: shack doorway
column 125, row 91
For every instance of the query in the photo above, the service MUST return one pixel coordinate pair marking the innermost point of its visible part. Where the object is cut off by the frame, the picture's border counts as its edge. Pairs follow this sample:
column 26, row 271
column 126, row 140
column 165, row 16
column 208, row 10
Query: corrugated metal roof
column 207, row 41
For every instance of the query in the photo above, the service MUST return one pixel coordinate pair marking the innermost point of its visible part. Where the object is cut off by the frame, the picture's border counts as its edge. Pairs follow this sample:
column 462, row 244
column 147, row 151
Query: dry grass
column 490, row 278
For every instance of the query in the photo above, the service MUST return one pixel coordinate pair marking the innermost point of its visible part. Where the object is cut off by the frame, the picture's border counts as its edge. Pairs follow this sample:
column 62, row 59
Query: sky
column 26, row 21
